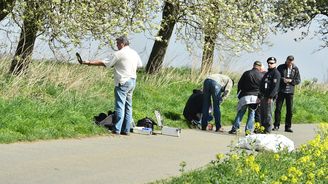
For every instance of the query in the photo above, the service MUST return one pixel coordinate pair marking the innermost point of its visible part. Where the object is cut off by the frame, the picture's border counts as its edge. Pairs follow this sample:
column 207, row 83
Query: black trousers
column 289, row 109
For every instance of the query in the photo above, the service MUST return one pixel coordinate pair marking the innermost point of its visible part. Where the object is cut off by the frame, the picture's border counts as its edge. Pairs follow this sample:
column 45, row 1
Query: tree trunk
column 168, row 22
column 208, row 54
column 25, row 46
column 6, row 6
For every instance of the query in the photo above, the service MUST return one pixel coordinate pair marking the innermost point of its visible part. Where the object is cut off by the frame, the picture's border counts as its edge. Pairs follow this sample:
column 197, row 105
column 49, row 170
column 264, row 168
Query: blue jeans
column 211, row 89
column 123, row 106
column 250, row 119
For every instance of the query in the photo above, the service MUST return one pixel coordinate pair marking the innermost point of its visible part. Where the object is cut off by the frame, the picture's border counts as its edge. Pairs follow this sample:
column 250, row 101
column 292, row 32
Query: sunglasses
column 271, row 63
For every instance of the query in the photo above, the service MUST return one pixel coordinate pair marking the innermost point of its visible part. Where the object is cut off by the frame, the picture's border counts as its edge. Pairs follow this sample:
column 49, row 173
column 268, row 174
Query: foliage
column 307, row 164
column 294, row 14
column 69, row 22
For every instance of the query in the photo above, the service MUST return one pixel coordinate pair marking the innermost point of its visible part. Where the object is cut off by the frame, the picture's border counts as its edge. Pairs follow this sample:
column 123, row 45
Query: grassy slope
column 59, row 100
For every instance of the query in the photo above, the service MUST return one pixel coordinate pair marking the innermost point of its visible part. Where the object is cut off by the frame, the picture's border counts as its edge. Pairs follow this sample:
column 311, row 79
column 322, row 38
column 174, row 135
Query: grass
column 58, row 100
column 308, row 164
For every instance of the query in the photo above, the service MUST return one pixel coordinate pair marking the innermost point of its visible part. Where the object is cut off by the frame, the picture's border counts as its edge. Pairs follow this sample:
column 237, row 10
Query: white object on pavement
column 268, row 142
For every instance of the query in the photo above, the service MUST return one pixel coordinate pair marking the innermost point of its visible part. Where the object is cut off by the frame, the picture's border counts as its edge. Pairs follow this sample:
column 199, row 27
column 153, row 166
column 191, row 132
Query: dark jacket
column 194, row 105
column 294, row 75
column 270, row 82
column 249, row 83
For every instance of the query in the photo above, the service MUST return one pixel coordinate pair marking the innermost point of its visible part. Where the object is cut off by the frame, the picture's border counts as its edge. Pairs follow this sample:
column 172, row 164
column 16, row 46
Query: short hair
column 272, row 59
column 123, row 39
column 257, row 63
column 290, row 58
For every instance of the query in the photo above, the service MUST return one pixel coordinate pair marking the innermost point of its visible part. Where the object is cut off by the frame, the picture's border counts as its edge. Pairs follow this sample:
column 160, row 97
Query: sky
column 311, row 63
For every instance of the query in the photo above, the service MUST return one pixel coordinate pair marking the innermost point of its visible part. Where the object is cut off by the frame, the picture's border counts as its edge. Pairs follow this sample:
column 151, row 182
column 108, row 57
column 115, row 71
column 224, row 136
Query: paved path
column 117, row 159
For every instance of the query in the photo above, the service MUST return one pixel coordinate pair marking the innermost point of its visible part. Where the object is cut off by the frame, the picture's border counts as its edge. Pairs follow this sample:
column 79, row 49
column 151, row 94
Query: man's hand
column 287, row 80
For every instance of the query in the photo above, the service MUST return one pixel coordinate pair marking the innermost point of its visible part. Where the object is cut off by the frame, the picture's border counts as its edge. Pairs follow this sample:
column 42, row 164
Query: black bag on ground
column 108, row 121
column 146, row 122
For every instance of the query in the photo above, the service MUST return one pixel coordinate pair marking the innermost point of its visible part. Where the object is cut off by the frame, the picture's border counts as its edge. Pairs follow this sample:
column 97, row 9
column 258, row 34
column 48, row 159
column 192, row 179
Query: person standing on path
column 218, row 87
column 269, row 87
column 125, row 63
column 290, row 76
column 248, row 91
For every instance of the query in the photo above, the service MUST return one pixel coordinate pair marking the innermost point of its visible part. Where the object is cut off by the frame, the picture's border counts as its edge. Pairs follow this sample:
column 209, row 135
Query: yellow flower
column 311, row 176
column 276, row 157
column 320, row 172
column 284, row 178
column 293, row 180
column 317, row 153
column 219, row 156
column 234, row 157
column 304, row 159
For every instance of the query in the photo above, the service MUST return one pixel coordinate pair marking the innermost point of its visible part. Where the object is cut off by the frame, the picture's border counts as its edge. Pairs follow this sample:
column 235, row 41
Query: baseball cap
column 257, row 63
column 290, row 58
column 271, row 59
column 123, row 39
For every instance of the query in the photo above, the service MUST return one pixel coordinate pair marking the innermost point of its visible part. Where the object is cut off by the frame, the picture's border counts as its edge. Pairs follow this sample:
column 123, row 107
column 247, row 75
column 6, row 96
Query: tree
column 294, row 14
column 6, row 7
column 233, row 26
column 64, row 22
column 169, row 19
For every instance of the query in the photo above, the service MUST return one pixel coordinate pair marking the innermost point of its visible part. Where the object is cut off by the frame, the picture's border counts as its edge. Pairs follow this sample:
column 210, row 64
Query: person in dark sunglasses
column 269, row 88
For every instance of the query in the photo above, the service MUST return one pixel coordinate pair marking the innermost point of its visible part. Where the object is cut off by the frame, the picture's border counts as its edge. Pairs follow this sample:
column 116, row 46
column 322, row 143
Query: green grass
column 307, row 164
column 57, row 100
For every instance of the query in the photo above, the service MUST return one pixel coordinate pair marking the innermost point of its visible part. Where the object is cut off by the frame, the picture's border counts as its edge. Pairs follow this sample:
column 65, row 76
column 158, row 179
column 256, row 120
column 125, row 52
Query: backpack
column 108, row 121
column 146, row 122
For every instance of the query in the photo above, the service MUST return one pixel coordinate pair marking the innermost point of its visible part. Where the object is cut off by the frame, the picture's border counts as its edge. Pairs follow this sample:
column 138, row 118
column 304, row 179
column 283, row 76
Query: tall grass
column 58, row 100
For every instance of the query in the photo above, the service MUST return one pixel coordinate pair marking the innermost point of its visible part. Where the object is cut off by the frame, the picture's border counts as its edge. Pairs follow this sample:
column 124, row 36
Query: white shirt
column 125, row 63
column 223, row 80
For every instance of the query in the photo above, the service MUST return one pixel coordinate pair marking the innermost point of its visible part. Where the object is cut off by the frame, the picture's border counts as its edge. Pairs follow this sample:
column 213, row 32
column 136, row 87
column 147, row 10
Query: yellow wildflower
column 234, row 157
column 219, row 156
column 310, row 176
column 284, row 178
column 276, row 157
column 293, row 180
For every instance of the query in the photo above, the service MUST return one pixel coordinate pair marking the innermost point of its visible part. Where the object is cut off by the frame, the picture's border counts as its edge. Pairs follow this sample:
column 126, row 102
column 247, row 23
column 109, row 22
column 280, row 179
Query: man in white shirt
column 217, row 87
column 125, row 63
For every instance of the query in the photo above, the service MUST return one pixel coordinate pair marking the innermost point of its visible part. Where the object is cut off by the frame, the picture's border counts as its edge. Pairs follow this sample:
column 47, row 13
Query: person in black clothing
column 248, row 90
column 268, row 92
column 193, row 109
column 290, row 77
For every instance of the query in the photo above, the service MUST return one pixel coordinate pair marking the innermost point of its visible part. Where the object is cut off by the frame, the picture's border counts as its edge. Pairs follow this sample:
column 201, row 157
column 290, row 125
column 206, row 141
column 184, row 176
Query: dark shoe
column 125, row 133
column 276, row 128
column 232, row 131
column 114, row 132
column 289, row 130
column 219, row 130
